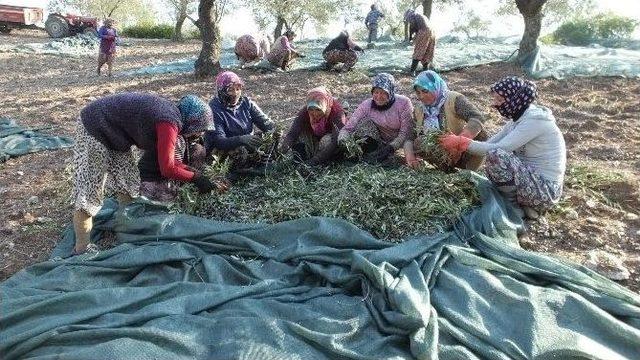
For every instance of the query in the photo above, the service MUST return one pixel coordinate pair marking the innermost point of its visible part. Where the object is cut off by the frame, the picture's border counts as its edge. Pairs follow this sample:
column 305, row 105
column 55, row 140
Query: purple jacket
column 108, row 38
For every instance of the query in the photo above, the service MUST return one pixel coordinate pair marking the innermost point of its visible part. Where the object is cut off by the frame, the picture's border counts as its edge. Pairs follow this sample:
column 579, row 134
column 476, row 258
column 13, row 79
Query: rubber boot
column 414, row 66
column 82, row 224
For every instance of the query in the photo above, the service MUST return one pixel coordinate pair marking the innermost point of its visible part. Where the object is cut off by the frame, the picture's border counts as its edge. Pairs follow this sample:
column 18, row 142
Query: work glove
column 455, row 145
column 379, row 155
column 250, row 141
column 203, row 184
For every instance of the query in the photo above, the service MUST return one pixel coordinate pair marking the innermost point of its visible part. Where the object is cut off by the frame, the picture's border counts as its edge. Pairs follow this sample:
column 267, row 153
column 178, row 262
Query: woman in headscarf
column 283, row 52
column 313, row 135
column 107, row 130
column 108, row 40
column 384, row 120
column 447, row 111
column 526, row 159
column 342, row 49
column 251, row 48
column 235, row 116
column 424, row 41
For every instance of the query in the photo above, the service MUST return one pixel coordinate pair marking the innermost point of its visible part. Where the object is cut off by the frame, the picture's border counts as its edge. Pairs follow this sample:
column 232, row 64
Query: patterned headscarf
column 223, row 81
column 430, row 81
column 518, row 94
column 196, row 115
column 320, row 98
column 387, row 83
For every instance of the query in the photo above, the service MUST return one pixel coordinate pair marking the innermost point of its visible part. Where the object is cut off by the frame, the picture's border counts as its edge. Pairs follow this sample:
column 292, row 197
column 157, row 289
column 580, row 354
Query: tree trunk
column 278, row 30
column 531, row 11
column 426, row 8
column 208, row 63
column 177, row 32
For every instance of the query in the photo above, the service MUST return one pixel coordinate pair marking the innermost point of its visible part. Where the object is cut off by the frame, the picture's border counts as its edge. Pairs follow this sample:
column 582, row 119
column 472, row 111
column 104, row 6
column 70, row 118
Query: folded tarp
column 16, row 140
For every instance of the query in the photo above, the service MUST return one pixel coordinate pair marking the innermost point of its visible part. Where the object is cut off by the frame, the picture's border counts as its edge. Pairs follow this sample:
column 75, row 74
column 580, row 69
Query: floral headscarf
column 518, row 94
column 196, row 115
column 387, row 83
column 320, row 98
column 430, row 81
column 223, row 81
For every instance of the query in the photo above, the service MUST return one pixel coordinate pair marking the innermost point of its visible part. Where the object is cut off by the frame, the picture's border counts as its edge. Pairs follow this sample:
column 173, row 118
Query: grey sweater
column 535, row 139
column 122, row 120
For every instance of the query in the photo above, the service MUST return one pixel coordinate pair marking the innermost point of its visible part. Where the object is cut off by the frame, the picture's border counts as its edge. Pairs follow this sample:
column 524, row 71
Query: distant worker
column 371, row 22
column 424, row 42
column 108, row 38
column 250, row 48
column 283, row 53
column 342, row 49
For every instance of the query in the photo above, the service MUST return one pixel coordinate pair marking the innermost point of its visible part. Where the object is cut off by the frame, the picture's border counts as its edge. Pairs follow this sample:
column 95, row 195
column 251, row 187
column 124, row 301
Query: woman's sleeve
column 510, row 140
column 167, row 135
column 470, row 114
column 294, row 131
column 357, row 115
column 407, row 126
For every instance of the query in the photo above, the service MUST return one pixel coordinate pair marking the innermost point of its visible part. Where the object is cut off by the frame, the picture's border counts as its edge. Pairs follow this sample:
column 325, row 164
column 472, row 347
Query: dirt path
column 598, row 117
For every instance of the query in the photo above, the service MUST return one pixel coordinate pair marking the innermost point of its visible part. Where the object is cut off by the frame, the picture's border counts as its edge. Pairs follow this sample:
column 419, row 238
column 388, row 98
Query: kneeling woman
column 235, row 116
column 448, row 111
column 108, row 128
column 526, row 159
column 342, row 49
column 385, row 120
column 313, row 136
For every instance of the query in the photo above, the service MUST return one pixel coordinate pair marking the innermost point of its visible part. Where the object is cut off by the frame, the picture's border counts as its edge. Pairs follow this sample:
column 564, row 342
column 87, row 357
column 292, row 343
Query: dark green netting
column 182, row 287
column 16, row 140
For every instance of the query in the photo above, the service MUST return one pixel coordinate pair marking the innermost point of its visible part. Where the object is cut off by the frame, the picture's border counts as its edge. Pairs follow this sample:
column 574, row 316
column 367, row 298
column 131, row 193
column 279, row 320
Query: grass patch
column 392, row 204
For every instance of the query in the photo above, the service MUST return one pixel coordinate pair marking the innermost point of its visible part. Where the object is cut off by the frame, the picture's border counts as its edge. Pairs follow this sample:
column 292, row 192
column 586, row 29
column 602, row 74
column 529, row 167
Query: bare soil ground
column 598, row 116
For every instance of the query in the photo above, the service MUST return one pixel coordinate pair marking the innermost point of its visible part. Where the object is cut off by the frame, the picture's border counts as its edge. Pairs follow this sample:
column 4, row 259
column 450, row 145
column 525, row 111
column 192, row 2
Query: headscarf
column 196, row 115
column 387, row 83
column 320, row 98
column 408, row 15
column 430, row 81
column 223, row 81
column 518, row 94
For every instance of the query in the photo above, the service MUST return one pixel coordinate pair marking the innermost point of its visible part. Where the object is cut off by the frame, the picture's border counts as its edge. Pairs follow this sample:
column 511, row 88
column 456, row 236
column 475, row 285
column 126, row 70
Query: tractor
column 57, row 25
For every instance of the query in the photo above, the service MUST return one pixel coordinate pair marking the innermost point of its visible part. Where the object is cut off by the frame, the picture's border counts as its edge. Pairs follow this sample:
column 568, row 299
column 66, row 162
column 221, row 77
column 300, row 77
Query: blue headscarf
column 430, row 81
column 196, row 115
column 387, row 83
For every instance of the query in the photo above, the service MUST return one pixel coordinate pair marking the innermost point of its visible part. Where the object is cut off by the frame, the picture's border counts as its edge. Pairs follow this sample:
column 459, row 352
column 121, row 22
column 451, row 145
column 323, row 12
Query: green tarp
column 182, row 287
column 16, row 140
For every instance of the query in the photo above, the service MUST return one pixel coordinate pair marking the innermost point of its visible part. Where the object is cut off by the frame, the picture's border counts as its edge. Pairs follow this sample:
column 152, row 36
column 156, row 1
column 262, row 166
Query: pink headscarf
column 321, row 99
column 227, row 78
column 223, row 81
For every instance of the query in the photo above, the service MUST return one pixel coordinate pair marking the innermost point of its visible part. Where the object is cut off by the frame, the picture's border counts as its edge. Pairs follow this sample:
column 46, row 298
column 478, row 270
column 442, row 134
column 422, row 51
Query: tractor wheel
column 57, row 26
column 4, row 29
